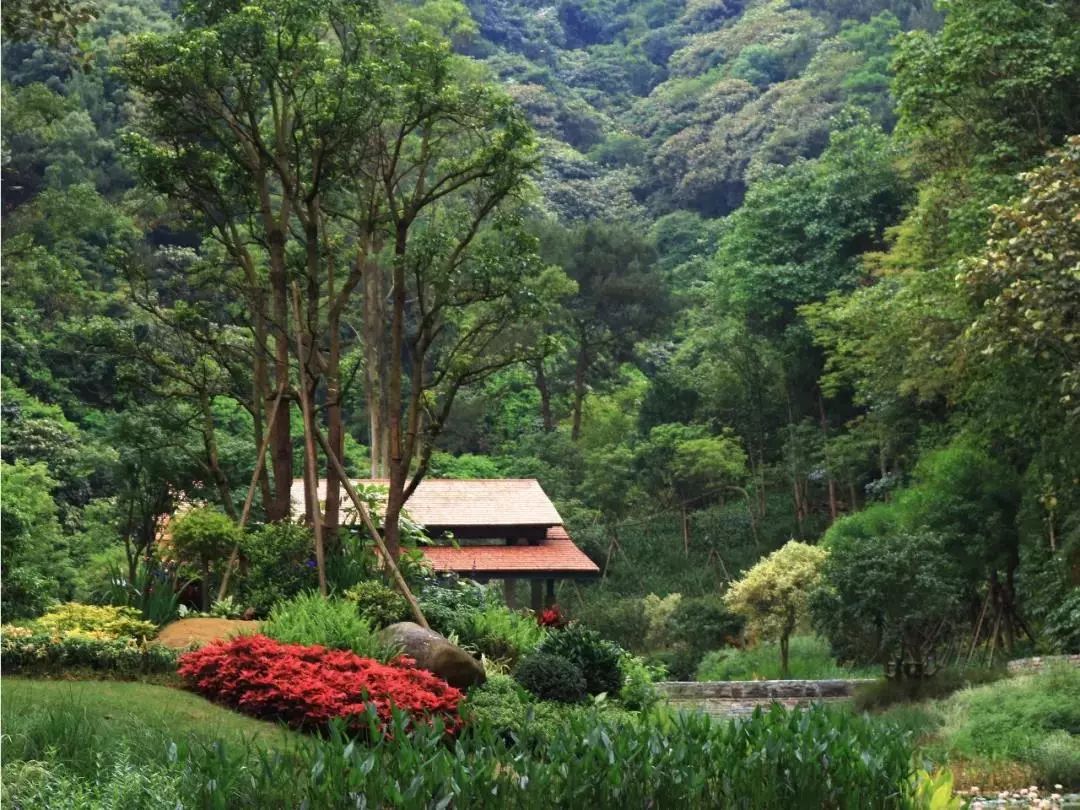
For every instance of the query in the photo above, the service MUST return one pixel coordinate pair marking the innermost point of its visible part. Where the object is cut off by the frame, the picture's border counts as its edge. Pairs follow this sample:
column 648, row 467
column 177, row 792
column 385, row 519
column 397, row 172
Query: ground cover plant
column 307, row 686
column 775, row 759
column 22, row 650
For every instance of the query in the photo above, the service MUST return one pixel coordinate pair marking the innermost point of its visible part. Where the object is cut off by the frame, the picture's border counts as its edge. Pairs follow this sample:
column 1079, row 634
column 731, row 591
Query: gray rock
column 434, row 653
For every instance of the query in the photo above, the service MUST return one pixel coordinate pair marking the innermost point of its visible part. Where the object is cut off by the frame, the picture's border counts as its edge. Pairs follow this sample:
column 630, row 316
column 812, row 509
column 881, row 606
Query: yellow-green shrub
column 94, row 621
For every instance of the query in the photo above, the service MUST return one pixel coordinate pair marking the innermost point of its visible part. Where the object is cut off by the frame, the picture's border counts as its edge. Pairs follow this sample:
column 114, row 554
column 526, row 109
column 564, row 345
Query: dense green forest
column 719, row 273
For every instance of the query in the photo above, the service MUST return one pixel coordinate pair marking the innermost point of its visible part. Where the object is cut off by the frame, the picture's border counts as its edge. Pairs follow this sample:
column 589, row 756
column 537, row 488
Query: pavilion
column 493, row 528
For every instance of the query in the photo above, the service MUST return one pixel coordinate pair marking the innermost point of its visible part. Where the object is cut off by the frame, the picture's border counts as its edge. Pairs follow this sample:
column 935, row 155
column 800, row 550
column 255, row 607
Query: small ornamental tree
column 204, row 536
column 774, row 595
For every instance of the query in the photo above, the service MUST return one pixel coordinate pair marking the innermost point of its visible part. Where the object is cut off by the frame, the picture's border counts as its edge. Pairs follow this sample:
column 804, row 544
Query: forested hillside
column 719, row 273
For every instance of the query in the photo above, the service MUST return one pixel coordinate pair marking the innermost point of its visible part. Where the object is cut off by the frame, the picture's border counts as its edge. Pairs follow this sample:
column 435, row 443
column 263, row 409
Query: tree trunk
column 825, row 435
column 375, row 365
column 579, row 389
column 281, row 441
column 221, row 481
column 685, row 530
column 545, row 397
column 784, row 671
column 399, row 461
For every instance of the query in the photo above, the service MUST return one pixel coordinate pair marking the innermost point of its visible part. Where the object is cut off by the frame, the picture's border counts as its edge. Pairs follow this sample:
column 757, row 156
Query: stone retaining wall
column 735, row 698
column 1024, row 666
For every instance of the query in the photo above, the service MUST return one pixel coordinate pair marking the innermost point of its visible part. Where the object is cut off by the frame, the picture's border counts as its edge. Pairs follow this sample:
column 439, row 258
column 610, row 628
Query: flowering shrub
column 103, row 622
column 307, row 686
column 551, row 617
column 27, row 650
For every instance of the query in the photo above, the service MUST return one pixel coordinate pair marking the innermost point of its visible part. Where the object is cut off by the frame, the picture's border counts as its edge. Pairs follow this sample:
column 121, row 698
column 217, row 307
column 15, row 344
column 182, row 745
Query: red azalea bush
column 307, row 686
column 551, row 617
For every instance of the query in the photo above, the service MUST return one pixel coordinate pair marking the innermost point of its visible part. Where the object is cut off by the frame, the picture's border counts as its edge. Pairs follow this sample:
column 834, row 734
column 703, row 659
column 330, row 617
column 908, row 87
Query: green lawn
column 122, row 705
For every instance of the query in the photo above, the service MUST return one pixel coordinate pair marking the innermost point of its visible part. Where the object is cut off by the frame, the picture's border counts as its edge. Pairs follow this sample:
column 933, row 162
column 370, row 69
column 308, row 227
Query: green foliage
column 809, row 658
column 377, row 602
column 891, row 600
column 276, row 555
column 551, row 677
column 658, row 614
column 620, row 620
column 39, row 653
column 597, row 658
column 35, row 566
column 501, row 633
column 155, row 594
column 333, row 622
column 997, row 78
column 1062, row 626
column 450, row 607
column 638, row 692
column 105, row 622
column 1024, row 283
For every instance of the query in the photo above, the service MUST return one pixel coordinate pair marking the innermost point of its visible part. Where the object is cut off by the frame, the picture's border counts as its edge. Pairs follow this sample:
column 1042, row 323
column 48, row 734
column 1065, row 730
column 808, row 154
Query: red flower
column 551, row 617
column 307, row 686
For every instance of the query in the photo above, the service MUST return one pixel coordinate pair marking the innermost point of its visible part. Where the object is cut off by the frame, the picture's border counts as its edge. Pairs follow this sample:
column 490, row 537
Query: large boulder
column 435, row 654
column 185, row 633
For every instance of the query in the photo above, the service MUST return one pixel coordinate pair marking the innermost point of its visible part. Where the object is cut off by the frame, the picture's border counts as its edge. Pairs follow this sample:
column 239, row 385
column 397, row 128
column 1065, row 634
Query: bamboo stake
column 369, row 524
column 311, row 479
column 260, row 459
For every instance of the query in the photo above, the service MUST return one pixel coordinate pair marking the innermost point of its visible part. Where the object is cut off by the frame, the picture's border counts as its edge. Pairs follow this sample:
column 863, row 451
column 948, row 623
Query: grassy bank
column 1014, row 732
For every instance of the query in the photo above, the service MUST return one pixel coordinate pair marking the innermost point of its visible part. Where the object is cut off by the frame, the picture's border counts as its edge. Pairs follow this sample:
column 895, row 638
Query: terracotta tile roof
column 469, row 502
column 557, row 554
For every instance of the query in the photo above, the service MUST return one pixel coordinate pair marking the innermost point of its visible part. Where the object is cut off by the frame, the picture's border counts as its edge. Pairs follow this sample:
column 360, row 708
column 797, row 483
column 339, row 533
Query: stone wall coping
column 713, row 690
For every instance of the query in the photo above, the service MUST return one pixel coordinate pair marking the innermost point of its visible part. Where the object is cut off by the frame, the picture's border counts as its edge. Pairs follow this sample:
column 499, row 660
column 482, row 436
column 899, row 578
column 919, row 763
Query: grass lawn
column 121, row 705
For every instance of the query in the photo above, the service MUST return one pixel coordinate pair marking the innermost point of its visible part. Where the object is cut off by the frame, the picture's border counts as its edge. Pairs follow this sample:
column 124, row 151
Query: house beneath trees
column 490, row 529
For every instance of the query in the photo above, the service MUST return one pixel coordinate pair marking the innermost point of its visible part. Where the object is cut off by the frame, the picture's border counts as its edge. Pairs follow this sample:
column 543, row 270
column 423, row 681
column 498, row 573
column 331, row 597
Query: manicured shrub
column 597, row 658
column 306, row 686
column 276, row 558
column 378, row 603
column 203, row 537
column 29, row 652
column 95, row 621
column 310, row 618
column 500, row 704
column 551, row 677
column 502, row 634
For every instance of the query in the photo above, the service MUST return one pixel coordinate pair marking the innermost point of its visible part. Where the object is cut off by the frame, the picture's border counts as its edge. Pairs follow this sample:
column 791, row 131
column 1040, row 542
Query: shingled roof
column 556, row 556
column 516, row 509
column 477, row 502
